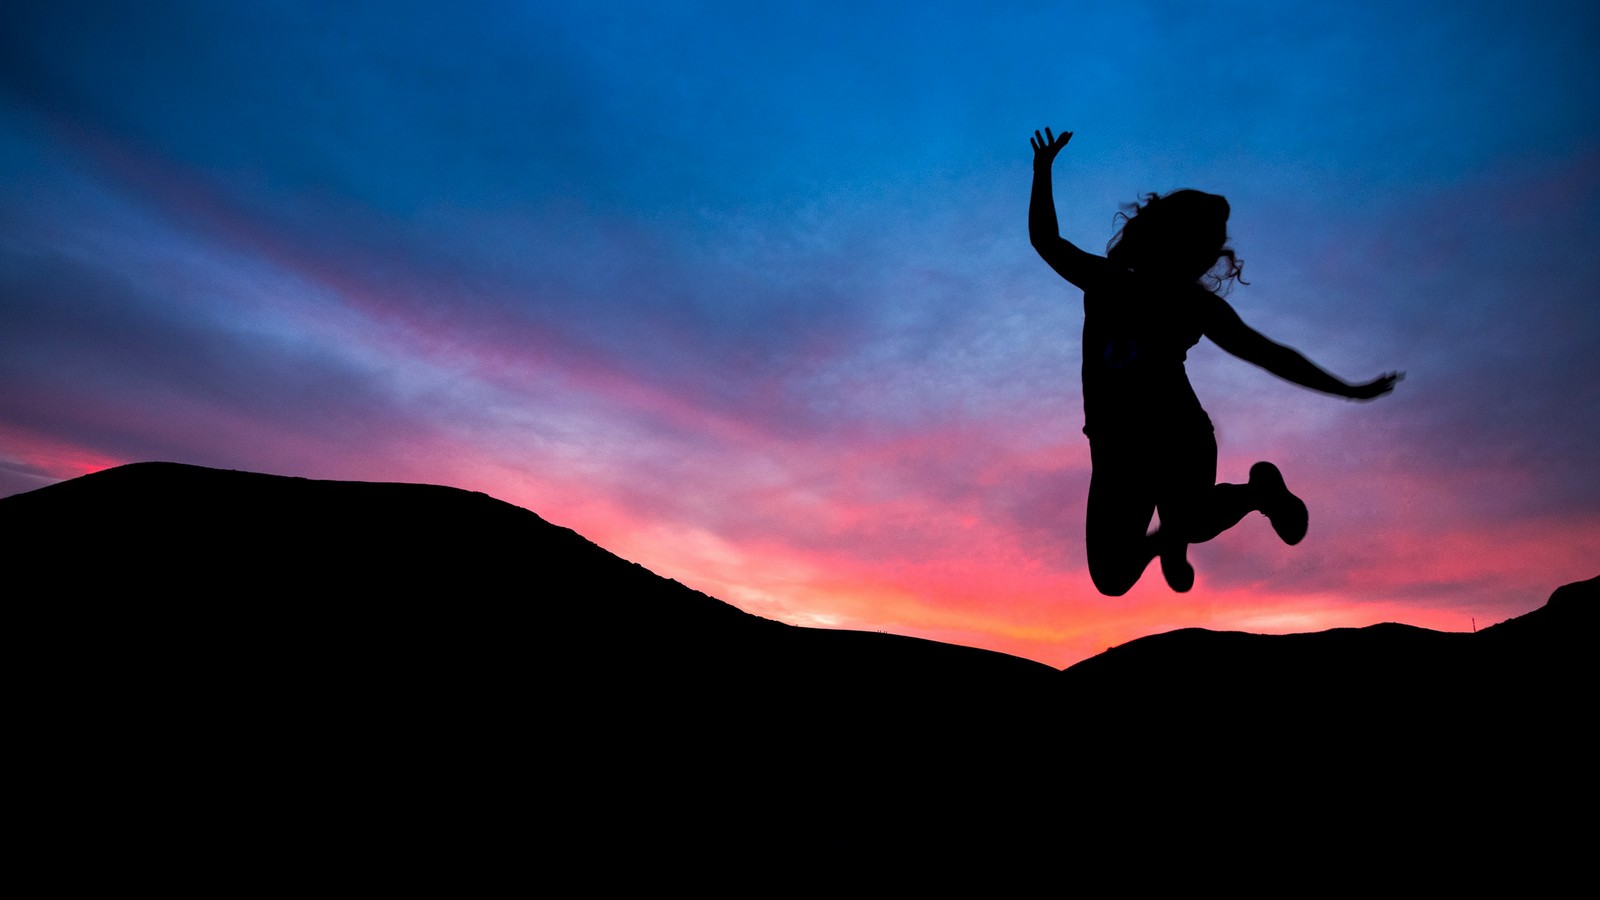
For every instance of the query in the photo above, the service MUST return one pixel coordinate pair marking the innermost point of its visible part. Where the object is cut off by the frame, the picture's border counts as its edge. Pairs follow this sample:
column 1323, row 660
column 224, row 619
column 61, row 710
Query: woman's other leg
column 1193, row 507
column 1200, row 509
column 1121, row 504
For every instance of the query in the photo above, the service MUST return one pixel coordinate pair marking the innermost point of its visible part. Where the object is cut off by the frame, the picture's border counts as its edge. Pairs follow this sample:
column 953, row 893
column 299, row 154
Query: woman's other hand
column 1046, row 146
column 1377, row 387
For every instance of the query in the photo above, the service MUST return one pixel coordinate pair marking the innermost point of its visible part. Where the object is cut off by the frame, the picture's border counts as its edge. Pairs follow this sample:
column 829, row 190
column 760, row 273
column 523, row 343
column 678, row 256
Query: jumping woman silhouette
column 1150, row 442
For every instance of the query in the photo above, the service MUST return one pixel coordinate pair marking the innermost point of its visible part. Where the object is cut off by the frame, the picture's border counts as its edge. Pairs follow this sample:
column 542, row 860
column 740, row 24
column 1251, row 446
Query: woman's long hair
column 1182, row 235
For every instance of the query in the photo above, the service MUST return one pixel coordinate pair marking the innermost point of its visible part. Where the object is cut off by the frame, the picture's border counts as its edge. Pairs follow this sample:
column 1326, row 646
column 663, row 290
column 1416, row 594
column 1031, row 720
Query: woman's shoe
column 1175, row 568
column 1284, row 510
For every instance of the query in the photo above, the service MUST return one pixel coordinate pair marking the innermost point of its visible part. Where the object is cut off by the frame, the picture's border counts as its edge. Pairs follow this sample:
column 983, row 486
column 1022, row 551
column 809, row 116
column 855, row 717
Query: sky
column 743, row 292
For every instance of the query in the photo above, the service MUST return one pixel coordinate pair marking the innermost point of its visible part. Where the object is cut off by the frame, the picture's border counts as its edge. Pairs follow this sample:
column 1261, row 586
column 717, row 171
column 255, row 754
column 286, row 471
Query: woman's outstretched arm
column 1230, row 333
column 1070, row 263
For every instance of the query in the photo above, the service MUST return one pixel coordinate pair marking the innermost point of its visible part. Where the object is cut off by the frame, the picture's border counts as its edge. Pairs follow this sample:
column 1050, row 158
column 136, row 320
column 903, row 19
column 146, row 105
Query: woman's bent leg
column 1223, row 507
column 1193, row 508
column 1198, row 510
column 1121, row 503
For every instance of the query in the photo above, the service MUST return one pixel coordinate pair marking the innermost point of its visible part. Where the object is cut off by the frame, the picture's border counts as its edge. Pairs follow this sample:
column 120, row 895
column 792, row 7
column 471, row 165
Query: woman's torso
column 1136, row 337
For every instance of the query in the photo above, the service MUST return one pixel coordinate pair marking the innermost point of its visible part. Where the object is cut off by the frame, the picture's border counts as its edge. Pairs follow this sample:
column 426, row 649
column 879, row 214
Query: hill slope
column 208, row 641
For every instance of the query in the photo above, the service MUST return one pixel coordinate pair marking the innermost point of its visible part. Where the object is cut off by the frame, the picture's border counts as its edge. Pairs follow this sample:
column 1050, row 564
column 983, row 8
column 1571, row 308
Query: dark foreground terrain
column 261, row 673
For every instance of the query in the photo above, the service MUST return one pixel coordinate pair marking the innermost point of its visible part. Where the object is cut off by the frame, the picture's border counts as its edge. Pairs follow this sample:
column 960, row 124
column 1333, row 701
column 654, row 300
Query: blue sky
column 744, row 293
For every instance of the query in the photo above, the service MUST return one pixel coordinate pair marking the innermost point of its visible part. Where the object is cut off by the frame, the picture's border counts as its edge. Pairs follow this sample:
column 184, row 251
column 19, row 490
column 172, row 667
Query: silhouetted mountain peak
column 404, row 663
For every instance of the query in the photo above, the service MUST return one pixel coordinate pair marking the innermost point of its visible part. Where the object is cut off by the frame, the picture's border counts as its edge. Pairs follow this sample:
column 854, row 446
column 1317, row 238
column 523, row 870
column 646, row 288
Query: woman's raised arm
column 1071, row 263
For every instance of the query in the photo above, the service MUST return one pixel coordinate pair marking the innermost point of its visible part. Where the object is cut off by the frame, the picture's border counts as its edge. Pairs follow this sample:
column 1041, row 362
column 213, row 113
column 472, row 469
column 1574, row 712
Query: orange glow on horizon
column 958, row 579
column 60, row 460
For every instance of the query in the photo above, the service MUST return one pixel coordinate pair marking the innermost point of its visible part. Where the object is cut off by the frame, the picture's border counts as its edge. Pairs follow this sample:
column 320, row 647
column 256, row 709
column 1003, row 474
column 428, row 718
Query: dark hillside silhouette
column 368, row 557
column 252, row 661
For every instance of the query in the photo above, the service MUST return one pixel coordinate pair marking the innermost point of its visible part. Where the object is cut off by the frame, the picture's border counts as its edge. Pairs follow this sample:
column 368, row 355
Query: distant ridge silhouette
column 242, row 648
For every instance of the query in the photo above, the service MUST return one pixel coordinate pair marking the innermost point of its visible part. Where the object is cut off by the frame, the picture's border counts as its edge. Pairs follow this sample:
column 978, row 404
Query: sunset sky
column 743, row 291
